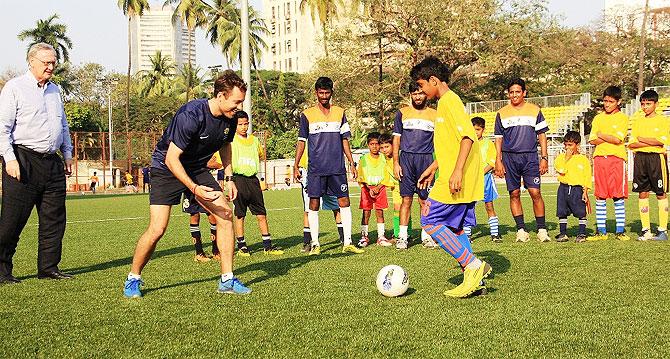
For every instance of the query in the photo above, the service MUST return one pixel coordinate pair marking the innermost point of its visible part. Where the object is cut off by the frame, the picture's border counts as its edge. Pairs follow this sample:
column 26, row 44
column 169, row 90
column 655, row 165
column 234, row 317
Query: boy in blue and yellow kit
column 574, row 176
column 451, row 203
column 648, row 139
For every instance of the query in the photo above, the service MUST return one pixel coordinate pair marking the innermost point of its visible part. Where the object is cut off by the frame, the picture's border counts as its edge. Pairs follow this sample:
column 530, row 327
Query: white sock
column 226, row 276
column 402, row 232
column 380, row 230
column 345, row 214
column 313, row 219
column 132, row 275
column 476, row 263
column 364, row 229
column 425, row 236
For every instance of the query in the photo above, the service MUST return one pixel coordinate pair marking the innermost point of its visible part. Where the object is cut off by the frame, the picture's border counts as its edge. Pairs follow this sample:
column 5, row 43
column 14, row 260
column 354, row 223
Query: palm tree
column 326, row 11
column 130, row 9
column 225, row 29
column 188, row 75
column 193, row 14
column 52, row 33
column 155, row 82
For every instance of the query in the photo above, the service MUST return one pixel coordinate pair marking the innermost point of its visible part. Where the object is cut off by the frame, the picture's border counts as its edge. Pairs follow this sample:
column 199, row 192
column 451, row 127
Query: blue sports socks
column 601, row 215
column 451, row 243
column 620, row 214
column 493, row 225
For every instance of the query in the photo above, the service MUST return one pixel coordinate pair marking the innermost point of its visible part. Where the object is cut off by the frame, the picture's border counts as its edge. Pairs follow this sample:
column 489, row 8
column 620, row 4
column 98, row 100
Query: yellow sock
column 663, row 214
column 643, row 205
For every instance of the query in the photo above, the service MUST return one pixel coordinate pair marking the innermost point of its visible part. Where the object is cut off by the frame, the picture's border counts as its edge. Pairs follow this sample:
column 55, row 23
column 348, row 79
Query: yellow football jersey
column 488, row 151
column 656, row 127
column 575, row 172
column 451, row 126
column 616, row 125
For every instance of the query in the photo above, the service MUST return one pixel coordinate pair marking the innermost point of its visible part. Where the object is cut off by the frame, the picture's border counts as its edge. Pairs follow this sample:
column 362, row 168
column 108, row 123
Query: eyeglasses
column 47, row 63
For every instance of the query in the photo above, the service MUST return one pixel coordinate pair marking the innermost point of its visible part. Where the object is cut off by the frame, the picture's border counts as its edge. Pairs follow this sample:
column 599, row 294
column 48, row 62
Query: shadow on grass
column 498, row 262
column 121, row 261
column 272, row 268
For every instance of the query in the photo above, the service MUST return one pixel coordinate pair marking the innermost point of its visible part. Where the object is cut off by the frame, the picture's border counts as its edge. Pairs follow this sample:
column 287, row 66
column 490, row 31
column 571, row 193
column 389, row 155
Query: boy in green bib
column 371, row 177
column 247, row 152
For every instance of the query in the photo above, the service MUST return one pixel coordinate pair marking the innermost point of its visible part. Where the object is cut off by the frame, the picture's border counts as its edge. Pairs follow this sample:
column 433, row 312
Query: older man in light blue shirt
column 32, row 129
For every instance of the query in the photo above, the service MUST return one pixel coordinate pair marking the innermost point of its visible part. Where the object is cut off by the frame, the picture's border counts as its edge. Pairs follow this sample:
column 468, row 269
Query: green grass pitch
column 602, row 299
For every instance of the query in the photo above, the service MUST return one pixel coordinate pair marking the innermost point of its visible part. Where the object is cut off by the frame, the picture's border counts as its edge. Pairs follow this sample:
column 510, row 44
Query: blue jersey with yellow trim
column 325, row 133
column 416, row 128
column 519, row 127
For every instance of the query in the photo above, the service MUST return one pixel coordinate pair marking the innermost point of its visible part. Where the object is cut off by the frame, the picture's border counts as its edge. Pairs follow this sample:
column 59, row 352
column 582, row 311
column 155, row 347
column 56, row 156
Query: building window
column 274, row 65
column 296, row 45
column 290, row 64
column 288, row 27
column 288, row 10
column 288, row 46
column 274, row 49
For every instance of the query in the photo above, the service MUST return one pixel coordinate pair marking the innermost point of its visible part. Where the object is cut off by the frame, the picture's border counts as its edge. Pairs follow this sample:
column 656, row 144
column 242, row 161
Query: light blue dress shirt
column 33, row 117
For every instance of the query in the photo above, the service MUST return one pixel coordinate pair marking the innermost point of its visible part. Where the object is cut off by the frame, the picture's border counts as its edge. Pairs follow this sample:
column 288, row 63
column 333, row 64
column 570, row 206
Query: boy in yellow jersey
column 371, row 168
column 488, row 153
column 574, row 176
column 608, row 134
column 390, row 181
column 648, row 139
column 94, row 182
column 247, row 152
column 451, row 203
column 130, row 184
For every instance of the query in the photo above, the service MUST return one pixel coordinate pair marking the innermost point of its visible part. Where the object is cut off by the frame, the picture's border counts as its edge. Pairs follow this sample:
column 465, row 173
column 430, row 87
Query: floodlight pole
column 245, row 59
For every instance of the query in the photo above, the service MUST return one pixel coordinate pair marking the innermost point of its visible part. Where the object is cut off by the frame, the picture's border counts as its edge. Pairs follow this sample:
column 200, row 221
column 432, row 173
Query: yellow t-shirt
column 451, row 126
column 94, row 179
column 129, row 178
column 575, row 172
column 304, row 158
column 656, row 127
column 616, row 125
column 389, row 177
column 488, row 151
column 217, row 157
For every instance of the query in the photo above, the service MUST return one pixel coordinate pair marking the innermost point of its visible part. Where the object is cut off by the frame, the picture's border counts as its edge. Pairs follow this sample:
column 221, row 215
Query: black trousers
column 42, row 185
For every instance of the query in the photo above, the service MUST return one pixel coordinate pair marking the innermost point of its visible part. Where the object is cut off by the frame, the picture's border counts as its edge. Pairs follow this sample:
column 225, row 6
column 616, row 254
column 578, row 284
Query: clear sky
column 98, row 29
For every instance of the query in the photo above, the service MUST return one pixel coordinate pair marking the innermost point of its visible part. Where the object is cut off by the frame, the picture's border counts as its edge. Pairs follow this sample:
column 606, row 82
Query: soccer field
column 601, row 299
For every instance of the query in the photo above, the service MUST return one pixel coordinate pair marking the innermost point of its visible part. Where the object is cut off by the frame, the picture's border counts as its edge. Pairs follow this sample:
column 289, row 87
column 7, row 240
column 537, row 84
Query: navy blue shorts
column 569, row 201
column 521, row 165
column 413, row 165
column 331, row 185
column 167, row 189
column 190, row 205
column 455, row 215
column 220, row 175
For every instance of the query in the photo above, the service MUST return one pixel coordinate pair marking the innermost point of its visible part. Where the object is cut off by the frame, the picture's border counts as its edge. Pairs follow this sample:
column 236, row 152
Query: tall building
column 630, row 13
column 294, row 41
column 155, row 31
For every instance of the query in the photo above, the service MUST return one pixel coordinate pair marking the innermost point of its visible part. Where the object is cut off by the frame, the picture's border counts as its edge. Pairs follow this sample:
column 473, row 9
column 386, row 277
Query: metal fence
column 579, row 99
column 129, row 152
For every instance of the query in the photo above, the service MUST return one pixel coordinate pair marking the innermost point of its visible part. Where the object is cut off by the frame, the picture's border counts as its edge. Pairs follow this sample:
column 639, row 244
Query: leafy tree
column 193, row 14
column 188, row 75
column 156, row 81
column 282, row 145
column 325, row 11
column 130, row 9
column 81, row 118
column 52, row 33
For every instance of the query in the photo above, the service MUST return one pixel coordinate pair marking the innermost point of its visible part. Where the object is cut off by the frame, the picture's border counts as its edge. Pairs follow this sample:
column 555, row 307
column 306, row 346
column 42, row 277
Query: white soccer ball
column 392, row 281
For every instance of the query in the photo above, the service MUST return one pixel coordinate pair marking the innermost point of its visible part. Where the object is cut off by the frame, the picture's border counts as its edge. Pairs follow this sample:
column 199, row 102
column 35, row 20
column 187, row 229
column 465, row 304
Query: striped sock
column 643, row 206
column 467, row 231
column 582, row 225
column 450, row 243
column 212, row 228
column 620, row 213
column 563, row 225
column 601, row 216
column 493, row 225
column 195, row 231
column 663, row 214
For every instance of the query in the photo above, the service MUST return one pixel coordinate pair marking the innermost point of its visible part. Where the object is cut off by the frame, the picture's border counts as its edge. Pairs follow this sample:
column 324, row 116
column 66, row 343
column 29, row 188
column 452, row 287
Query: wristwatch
column 545, row 158
column 227, row 178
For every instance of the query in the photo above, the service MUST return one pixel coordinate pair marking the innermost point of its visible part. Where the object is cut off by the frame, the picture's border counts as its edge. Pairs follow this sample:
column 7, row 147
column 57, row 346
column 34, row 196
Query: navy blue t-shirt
column 197, row 132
